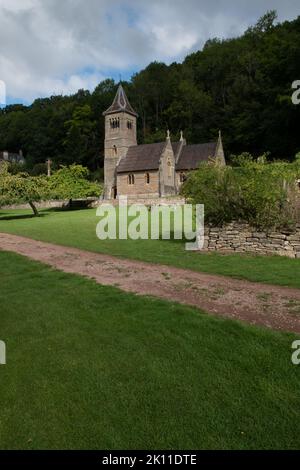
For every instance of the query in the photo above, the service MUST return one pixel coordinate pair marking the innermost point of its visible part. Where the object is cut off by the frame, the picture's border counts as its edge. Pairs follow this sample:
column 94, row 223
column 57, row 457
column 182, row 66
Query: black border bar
column 138, row 458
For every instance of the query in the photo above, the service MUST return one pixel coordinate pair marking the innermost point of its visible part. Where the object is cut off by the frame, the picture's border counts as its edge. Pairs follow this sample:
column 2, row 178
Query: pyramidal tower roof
column 120, row 104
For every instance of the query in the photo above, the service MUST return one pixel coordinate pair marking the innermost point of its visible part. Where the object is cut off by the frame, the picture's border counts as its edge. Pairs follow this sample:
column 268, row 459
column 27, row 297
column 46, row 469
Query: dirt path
column 273, row 306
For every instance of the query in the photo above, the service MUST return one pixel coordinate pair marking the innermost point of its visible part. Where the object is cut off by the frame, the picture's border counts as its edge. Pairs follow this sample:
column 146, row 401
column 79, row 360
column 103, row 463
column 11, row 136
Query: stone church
column 149, row 170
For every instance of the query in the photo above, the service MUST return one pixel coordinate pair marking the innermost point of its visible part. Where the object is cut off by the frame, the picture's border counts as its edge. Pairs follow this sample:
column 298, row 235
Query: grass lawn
column 78, row 229
column 93, row 367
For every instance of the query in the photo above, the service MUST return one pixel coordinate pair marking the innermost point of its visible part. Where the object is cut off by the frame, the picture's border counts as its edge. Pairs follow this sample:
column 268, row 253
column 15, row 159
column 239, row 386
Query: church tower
column 120, row 134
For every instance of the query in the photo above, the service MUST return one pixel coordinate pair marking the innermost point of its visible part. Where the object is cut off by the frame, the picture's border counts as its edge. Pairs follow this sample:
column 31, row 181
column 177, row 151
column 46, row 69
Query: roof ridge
column 203, row 143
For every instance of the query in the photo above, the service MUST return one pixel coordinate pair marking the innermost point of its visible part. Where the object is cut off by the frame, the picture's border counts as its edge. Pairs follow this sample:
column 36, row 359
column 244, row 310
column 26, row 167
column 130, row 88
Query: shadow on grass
column 21, row 216
column 69, row 209
column 42, row 213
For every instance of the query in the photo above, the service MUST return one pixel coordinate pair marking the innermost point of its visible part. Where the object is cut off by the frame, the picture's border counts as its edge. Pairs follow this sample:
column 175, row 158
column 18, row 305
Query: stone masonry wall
column 237, row 237
column 39, row 205
column 140, row 187
column 147, row 201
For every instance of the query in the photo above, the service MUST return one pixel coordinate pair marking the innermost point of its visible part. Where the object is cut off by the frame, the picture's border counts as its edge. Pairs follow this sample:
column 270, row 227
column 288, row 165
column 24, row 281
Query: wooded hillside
column 240, row 85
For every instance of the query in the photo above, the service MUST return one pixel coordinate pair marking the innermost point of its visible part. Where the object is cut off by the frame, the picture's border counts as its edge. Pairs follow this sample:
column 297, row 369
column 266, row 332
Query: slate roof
column 120, row 104
column 192, row 155
column 146, row 157
column 142, row 157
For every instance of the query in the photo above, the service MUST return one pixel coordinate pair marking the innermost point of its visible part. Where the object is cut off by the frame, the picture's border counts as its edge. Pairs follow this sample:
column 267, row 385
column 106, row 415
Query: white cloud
column 54, row 46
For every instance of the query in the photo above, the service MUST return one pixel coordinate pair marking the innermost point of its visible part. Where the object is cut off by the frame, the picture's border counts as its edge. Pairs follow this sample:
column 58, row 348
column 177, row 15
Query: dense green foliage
column 21, row 188
column 260, row 193
column 240, row 85
column 78, row 229
column 71, row 183
column 66, row 183
column 98, row 368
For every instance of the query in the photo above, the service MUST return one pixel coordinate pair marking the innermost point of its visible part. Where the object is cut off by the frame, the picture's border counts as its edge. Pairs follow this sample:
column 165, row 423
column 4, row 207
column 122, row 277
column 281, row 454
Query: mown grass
column 92, row 367
column 78, row 229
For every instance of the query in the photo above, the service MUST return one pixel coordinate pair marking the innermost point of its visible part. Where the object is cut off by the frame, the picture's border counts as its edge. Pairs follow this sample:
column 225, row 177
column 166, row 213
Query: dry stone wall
column 237, row 237
column 38, row 205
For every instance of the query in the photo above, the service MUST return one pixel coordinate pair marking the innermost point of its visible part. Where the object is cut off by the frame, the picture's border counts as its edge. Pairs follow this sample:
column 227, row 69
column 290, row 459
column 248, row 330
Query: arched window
column 129, row 125
column 182, row 177
column 115, row 123
column 115, row 149
column 130, row 179
column 147, row 178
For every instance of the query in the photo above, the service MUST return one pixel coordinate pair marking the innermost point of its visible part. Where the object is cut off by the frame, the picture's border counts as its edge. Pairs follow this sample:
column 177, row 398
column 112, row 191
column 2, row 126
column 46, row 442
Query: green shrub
column 72, row 183
column 14, row 168
column 260, row 193
column 39, row 169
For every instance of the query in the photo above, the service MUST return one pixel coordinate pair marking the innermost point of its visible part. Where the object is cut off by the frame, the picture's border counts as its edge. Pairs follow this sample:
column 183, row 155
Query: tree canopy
column 66, row 183
column 240, row 85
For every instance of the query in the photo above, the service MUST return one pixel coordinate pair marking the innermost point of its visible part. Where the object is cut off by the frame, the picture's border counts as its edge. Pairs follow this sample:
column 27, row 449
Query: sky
column 50, row 47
